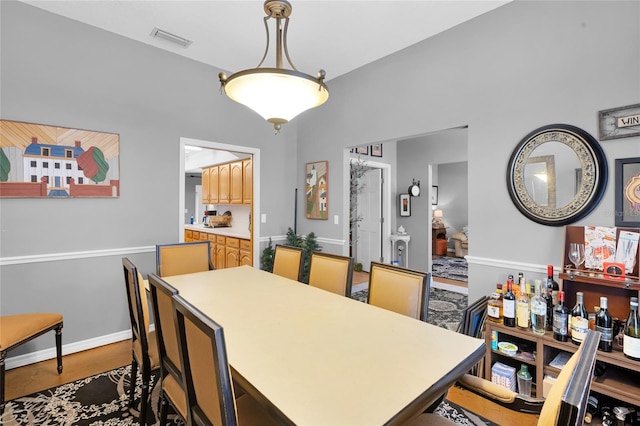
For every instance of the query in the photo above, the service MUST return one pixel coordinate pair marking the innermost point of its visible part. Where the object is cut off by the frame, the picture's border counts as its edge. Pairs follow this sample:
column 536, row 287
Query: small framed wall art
column 376, row 150
column 317, row 205
column 364, row 150
column 405, row 205
column 627, row 192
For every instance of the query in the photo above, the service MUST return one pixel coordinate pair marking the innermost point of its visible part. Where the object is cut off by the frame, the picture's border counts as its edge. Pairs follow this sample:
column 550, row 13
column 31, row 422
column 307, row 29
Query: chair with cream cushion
column 183, row 258
column 565, row 405
column 173, row 388
column 331, row 272
column 399, row 289
column 145, row 348
column 287, row 261
column 18, row 329
column 203, row 355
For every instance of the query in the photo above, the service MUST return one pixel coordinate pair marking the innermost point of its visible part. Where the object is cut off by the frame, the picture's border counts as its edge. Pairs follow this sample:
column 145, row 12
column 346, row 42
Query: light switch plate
column 336, row 219
column 263, row 218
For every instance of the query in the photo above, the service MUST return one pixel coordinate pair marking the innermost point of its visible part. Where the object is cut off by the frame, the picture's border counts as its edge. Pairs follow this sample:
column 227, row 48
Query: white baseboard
column 46, row 354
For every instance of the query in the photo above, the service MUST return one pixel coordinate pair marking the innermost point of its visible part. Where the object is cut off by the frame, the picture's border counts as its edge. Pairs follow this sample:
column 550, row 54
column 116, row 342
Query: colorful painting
column 317, row 190
column 55, row 162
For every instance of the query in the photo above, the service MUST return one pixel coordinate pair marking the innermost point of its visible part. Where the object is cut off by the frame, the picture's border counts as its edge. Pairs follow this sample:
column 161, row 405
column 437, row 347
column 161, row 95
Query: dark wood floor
column 43, row 375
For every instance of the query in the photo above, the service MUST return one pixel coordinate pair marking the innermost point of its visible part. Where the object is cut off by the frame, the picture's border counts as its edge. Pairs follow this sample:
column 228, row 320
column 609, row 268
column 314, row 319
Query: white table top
column 324, row 359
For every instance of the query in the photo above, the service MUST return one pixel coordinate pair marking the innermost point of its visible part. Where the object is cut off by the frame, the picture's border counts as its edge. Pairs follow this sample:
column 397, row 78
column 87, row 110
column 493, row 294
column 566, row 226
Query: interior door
column 369, row 208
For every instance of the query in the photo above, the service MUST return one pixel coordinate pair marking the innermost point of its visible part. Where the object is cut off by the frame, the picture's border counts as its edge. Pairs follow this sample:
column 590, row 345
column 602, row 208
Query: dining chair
column 145, row 347
column 203, row 355
column 399, row 289
column 565, row 405
column 287, row 261
column 331, row 272
column 21, row 328
column 172, row 380
column 183, row 258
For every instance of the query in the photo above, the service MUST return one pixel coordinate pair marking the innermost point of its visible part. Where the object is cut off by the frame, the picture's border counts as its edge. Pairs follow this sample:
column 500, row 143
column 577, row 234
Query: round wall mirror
column 557, row 174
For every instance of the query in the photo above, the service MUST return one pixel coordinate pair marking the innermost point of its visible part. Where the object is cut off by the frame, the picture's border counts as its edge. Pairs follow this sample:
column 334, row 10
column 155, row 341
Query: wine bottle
column 538, row 310
column 579, row 320
column 552, row 285
column 523, row 314
column 509, row 304
column 604, row 324
column 546, row 294
column 561, row 319
column 592, row 408
column 631, row 343
column 494, row 305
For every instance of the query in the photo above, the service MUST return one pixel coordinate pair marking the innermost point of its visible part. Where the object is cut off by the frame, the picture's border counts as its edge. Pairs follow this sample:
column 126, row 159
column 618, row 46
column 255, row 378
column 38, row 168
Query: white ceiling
column 338, row 36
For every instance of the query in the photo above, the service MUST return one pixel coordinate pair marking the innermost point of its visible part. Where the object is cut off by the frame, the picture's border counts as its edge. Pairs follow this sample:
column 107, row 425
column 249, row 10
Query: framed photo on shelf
column 434, row 195
column 376, row 150
column 405, row 205
column 364, row 150
column 627, row 192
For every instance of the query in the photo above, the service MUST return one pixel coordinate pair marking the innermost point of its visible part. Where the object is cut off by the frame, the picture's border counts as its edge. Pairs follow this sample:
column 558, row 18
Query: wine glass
column 576, row 254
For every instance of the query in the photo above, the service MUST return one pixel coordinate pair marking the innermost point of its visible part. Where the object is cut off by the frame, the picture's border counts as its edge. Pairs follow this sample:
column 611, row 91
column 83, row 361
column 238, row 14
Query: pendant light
column 277, row 94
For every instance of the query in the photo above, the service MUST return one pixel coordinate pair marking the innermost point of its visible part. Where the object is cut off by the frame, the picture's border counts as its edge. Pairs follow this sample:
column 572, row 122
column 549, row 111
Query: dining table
column 312, row 357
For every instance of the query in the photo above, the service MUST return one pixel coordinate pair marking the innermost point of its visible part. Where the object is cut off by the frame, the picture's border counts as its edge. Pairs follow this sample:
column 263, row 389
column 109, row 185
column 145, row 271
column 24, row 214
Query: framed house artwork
column 56, row 162
column 405, row 205
column 317, row 190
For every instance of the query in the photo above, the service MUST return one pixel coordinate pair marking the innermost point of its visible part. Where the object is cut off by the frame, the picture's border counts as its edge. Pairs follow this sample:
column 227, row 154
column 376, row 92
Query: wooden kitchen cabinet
column 232, row 252
column 213, row 246
column 213, row 185
column 247, row 181
column 205, row 186
column 223, row 183
column 245, row 253
column 236, row 174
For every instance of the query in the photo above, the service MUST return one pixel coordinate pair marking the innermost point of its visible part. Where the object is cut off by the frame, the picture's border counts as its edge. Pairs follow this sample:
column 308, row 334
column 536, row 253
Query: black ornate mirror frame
column 589, row 191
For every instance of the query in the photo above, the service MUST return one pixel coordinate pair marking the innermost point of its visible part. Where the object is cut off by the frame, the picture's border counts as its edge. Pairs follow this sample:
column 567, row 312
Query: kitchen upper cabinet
column 205, row 186
column 223, row 183
column 247, row 181
column 229, row 183
column 235, row 182
column 213, row 185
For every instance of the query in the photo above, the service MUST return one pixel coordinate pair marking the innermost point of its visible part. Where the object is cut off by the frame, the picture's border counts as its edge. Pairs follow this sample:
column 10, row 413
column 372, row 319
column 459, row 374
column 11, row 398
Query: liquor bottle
column 604, row 324
column 538, row 310
column 592, row 408
column 579, row 320
column 561, row 319
column 494, row 305
column 509, row 304
column 523, row 313
column 552, row 285
column 546, row 294
column 631, row 345
column 608, row 418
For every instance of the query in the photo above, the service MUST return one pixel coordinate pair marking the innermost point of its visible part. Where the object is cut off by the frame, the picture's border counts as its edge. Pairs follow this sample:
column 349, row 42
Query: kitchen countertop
column 232, row 231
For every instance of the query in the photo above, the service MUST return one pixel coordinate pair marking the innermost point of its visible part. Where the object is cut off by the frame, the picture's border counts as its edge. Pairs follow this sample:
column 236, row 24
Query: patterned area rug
column 445, row 307
column 453, row 268
column 100, row 401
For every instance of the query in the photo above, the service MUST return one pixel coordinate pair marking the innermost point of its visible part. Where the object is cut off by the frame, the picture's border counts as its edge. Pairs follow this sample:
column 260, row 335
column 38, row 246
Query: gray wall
column 453, row 196
column 503, row 74
column 65, row 255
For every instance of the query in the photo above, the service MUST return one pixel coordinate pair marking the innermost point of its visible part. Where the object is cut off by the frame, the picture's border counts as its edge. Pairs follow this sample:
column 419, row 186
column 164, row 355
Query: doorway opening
column 220, row 148
column 369, row 212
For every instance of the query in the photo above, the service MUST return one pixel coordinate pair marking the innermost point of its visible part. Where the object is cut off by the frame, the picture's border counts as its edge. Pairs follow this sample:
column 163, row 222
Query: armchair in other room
column 461, row 242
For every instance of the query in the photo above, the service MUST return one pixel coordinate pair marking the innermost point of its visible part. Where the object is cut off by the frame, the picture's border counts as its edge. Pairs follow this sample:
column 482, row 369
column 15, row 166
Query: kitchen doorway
column 215, row 146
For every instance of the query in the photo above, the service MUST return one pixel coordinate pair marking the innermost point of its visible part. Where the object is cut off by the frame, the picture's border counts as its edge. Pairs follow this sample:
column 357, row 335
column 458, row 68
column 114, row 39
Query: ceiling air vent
column 158, row 33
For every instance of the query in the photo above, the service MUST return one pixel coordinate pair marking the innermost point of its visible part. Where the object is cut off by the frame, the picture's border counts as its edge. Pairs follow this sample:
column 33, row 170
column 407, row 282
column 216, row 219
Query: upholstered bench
column 18, row 329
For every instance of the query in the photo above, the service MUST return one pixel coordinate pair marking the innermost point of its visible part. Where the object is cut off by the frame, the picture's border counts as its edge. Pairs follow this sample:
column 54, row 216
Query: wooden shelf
column 584, row 276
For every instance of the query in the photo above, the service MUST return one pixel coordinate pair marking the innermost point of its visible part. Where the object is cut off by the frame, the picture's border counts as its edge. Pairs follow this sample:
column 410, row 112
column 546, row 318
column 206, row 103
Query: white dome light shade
column 277, row 94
